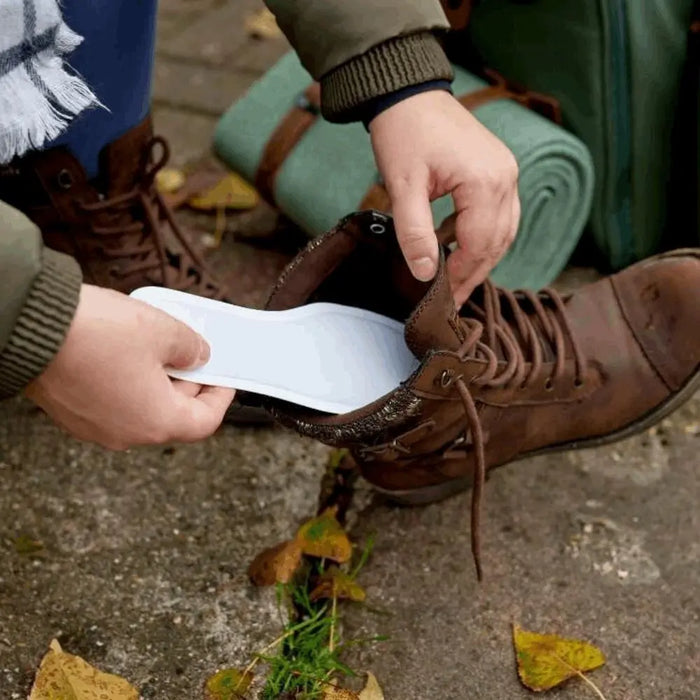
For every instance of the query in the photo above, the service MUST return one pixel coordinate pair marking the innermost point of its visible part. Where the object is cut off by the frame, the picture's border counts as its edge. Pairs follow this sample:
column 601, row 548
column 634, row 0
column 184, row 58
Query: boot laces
column 134, row 223
column 514, row 351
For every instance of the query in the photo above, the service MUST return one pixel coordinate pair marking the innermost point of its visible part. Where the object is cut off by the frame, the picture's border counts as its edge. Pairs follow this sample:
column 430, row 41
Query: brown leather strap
column 481, row 97
column 458, row 12
column 284, row 138
column 545, row 105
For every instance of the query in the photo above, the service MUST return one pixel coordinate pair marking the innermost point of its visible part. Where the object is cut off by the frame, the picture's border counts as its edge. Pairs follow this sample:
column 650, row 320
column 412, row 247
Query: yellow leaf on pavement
column 324, row 537
column 336, row 457
column 228, row 684
column 63, row 676
column 230, row 192
column 262, row 25
column 546, row 660
column 169, row 180
column 335, row 583
column 276, row 564
column 371, row 691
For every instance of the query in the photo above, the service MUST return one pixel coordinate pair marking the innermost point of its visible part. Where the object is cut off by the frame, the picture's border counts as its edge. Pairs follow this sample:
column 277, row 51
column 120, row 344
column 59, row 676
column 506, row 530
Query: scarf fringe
column 36, row 108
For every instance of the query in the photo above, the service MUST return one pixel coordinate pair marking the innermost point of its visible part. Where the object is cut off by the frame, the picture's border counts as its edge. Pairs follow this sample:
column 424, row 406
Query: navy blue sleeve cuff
column 378, row 105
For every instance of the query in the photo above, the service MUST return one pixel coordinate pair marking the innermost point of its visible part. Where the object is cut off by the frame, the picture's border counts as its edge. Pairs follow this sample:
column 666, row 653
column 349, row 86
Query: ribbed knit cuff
column 43, row 323
column 387, row 67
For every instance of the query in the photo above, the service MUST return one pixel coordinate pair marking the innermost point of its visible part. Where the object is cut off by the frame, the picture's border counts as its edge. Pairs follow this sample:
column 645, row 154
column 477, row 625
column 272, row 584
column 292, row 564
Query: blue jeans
column 116, row 61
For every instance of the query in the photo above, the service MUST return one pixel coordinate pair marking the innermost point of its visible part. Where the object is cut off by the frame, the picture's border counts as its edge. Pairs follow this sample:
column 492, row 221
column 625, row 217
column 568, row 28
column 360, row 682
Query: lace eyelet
column 64, row 179
column 113, row 271
column 578, row 383
column 549, row 385
column 446, row 378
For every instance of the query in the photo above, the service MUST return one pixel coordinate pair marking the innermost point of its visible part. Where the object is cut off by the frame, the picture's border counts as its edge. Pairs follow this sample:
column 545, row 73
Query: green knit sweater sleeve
column 39, row 289
column 363, row 49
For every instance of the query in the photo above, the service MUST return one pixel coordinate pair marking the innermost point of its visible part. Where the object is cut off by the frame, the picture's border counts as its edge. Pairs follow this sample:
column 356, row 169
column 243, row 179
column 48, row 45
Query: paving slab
column 193, row 87
column 143, row 566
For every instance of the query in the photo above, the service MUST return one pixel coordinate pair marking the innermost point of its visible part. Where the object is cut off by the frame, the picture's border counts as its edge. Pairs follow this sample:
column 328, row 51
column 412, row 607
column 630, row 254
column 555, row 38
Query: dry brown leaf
column 276, row 564
column 335, row 583
column 230, row 192
column 324, row 537
column 547, row 660
column 372, row 689
column 228, row 684
column 262, row 25
column 63, row 676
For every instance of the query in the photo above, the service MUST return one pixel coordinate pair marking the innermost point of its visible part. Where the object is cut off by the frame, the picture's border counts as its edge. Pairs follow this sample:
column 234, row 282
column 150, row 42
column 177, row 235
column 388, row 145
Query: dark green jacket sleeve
column 361, row 49
column 39, row 289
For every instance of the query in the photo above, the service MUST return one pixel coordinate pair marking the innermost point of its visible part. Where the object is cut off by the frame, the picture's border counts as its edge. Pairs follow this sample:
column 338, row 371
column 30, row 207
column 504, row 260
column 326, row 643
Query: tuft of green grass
column 308, row 655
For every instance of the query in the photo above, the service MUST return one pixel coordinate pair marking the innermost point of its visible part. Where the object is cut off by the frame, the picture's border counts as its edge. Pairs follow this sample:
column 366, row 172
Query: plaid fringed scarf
column 38, row 96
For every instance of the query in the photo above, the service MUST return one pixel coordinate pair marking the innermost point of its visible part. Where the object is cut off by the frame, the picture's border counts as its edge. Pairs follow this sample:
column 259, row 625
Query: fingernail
column 424, row 269
column 204, row 351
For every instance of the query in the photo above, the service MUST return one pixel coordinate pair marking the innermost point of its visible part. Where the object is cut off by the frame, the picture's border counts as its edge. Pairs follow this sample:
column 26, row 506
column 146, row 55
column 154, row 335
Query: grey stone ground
column 143, row 566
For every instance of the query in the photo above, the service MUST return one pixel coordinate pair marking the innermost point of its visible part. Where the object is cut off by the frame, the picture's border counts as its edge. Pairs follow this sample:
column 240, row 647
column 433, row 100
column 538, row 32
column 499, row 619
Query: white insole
column 329, row 357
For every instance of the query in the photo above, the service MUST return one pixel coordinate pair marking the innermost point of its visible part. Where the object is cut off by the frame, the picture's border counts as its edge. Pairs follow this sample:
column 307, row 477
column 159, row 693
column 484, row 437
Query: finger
column 447, row 231
column 415, row 232
column 462, row 291
column 480, row 248
column 200, row 416
column 189, row 389
column 515, row 217
column 217, row 398
column 180, row 347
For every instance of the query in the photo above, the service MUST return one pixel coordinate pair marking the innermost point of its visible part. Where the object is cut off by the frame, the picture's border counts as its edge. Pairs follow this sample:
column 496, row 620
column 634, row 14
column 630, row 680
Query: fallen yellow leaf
column 276, row 564
column 372, row 690
column 324, row 537
column 169, row 180
column 546, row 660
column 228, row 684
column 262, row 25
column 230, row 192
column 336, row 457
column 63, row 676
column 335, row 583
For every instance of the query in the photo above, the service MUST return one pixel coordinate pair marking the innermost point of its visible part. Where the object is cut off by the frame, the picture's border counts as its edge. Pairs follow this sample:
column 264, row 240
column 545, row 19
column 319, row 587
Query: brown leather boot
column 117, row 227
column 511, row 375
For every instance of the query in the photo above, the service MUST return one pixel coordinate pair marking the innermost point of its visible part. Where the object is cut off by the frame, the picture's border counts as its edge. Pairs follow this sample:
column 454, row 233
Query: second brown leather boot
column 116, row 226
column 511, row 375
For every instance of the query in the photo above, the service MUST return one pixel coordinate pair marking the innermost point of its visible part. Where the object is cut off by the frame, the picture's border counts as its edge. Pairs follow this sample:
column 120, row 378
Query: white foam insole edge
column 328, row 357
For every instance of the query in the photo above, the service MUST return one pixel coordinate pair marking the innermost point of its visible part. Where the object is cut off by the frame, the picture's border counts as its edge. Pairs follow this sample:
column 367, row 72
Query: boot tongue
column 434, row 325
column 122, row 161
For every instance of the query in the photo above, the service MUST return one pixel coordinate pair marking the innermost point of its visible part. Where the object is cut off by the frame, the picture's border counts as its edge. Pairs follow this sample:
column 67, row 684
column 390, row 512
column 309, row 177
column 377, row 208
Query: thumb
column 413, row 220
column 181, row 347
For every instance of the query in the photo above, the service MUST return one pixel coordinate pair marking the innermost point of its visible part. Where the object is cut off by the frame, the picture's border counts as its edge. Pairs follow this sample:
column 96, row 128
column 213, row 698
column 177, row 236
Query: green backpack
column 618, row 69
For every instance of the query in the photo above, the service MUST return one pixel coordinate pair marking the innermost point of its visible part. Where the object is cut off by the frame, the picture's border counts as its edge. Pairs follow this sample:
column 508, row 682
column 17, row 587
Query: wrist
column 380, row 104
column 43, row 323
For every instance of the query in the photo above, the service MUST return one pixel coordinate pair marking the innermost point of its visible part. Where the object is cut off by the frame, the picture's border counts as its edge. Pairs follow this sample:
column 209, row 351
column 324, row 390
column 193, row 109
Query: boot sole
column 438, row 492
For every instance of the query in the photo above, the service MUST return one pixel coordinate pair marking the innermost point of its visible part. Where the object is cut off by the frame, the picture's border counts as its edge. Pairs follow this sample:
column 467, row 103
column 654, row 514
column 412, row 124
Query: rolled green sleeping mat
column 330, row 168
